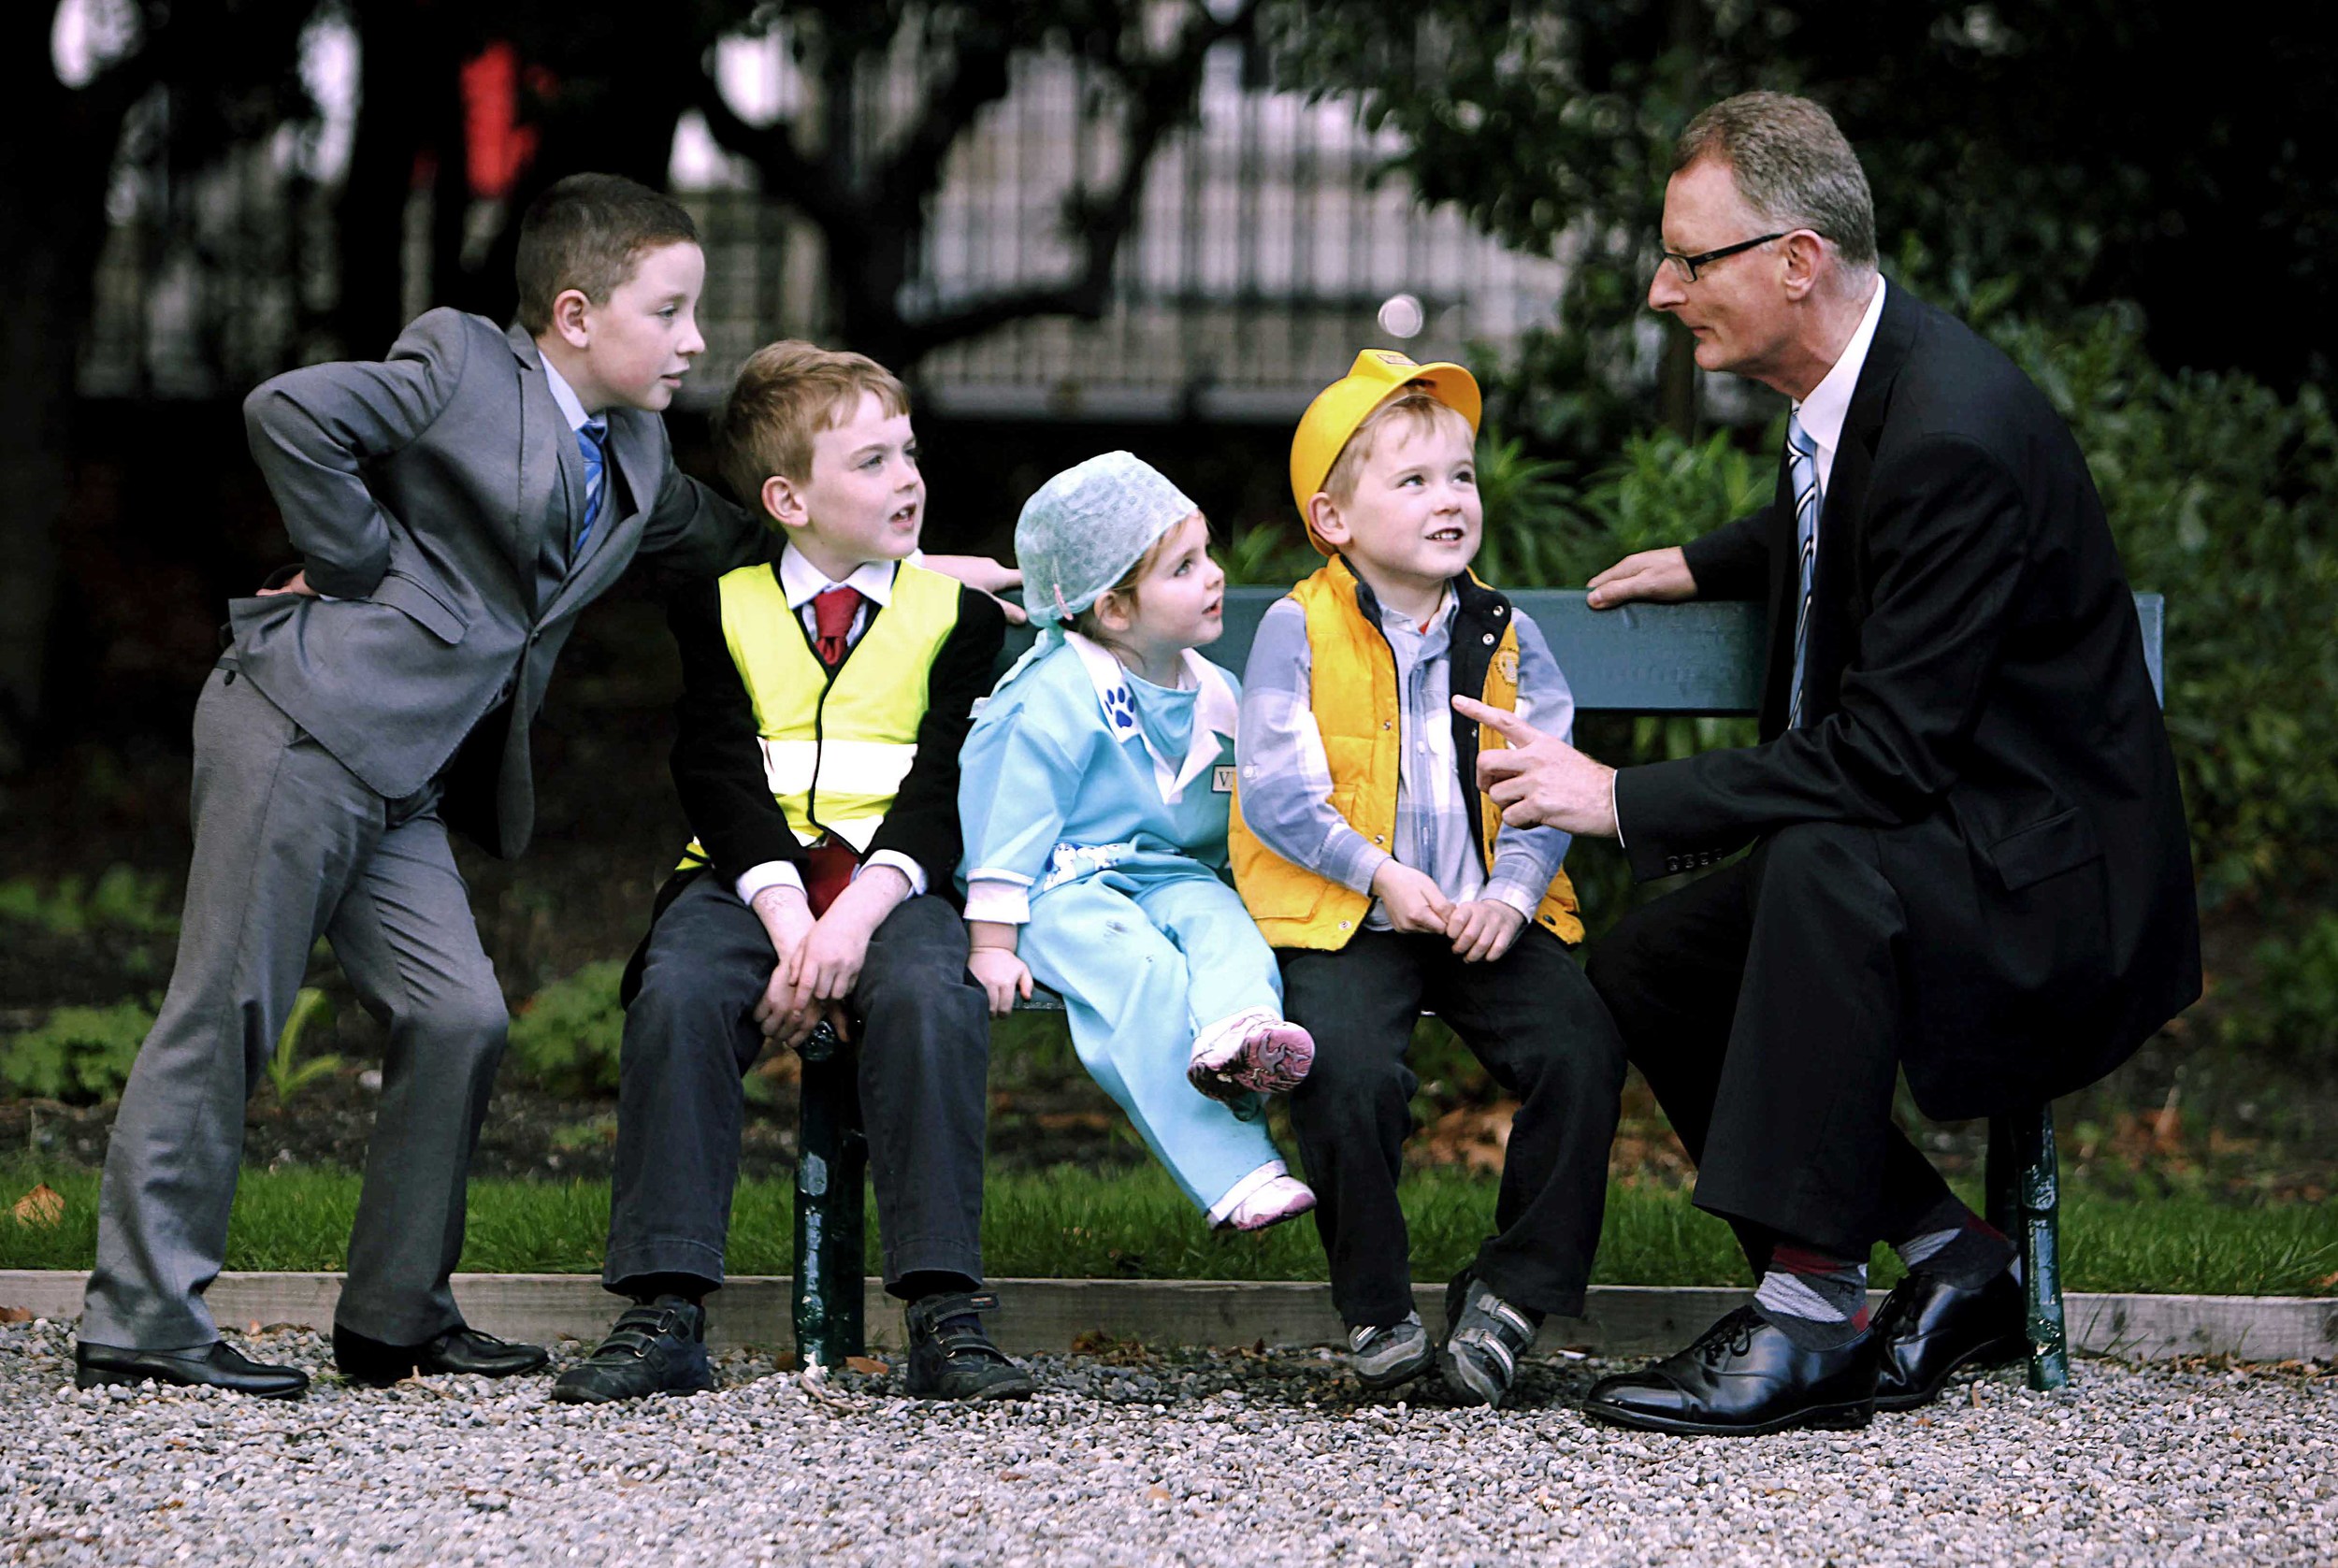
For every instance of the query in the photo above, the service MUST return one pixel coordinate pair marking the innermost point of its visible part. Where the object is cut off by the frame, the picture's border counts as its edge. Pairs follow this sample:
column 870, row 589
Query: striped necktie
column 589, row 436
column 1802, row 478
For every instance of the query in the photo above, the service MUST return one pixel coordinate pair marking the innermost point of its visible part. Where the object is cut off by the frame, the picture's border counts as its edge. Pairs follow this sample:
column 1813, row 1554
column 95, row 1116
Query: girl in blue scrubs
column 1093, row 791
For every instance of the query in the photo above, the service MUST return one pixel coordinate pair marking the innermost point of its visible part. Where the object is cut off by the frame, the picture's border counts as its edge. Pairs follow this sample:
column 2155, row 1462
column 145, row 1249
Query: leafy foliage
column 566, row 1036
column 2221, row 495
column 124, row 900
column 286, row 1074
column 78, row 1054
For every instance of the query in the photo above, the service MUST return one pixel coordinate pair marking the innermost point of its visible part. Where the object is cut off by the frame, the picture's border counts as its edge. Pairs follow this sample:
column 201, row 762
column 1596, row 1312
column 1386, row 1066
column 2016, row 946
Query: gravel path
column 1199, row 1458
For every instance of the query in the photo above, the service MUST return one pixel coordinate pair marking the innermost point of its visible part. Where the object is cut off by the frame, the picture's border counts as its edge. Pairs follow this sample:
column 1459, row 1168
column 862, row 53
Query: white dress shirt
column 1822, row 414
column 802, row 583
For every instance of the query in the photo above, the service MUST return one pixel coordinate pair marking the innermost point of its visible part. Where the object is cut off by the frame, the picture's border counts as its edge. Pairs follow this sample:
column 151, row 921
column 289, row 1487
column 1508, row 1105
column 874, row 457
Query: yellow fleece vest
column 835, row 750
column 1354, row 694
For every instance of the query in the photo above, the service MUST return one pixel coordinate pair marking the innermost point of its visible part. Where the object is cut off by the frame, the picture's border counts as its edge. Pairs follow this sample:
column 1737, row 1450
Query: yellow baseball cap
column 1376, row 375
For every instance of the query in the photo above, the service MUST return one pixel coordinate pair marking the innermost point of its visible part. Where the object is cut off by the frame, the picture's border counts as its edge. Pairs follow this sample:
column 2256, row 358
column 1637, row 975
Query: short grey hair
column 1791, row 164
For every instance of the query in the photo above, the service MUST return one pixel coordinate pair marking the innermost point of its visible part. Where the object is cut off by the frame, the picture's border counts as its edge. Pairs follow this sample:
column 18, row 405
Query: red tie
column 832, row 610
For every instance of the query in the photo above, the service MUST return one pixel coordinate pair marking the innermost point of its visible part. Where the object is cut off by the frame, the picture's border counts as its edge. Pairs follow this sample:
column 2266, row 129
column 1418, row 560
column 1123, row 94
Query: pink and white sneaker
column 1284, row 1198
column 1250, row 1053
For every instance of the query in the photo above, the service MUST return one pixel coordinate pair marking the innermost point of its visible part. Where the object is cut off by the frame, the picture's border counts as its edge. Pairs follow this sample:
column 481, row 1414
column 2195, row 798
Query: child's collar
column 1215, row 712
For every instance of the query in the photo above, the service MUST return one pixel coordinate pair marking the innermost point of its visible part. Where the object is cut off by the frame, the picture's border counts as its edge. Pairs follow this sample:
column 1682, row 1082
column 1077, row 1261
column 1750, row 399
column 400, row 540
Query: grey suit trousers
column 290, row 846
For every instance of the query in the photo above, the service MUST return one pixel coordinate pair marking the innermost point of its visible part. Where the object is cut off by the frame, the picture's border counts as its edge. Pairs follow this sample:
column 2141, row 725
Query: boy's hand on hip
column 296, row 583
column 1411, row 899
column 1002, row 976
column 1660, row 576
column 1538, row 780
column 1483, row 929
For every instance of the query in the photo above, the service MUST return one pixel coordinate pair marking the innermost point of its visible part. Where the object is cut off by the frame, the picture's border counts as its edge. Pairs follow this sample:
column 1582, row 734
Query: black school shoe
column 217, row 1365
column 958, row 1361
column 1930, row 1329
column 1742, row 1378
column 460, row 1351
column 655, row 1350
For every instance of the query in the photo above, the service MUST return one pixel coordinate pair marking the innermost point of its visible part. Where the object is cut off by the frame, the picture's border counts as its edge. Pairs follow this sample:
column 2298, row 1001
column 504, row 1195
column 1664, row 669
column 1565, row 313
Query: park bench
column 1684, row 659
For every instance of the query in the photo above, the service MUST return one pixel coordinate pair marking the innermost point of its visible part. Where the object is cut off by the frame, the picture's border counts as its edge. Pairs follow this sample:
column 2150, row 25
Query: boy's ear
column 568, row 317
column 783, row 503
column 1323, row 517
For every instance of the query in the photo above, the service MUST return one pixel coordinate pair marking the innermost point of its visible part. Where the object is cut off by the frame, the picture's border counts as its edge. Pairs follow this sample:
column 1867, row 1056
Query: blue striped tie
column 589, row 436
column 1802, row 476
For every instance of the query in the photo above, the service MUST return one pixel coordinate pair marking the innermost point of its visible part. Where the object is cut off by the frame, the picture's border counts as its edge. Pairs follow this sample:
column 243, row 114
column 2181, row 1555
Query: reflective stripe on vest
column 835, row 750
column 1352, row 696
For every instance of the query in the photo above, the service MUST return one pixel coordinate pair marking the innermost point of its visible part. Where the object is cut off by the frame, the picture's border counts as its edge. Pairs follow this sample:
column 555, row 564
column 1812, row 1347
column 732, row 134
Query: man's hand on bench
column 1662, row 576
column 1538, row 780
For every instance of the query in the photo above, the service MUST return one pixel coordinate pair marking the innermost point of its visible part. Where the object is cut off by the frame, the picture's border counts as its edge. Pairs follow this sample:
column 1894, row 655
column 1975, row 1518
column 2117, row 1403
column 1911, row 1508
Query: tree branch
column 787, row 173
column 1163, row 95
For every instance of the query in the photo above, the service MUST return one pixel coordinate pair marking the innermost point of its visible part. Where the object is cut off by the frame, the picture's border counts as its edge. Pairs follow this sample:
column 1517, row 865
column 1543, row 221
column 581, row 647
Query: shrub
column 2221, row 495
column 565, row 1037
column 2293, row 1014
column 78, row 1054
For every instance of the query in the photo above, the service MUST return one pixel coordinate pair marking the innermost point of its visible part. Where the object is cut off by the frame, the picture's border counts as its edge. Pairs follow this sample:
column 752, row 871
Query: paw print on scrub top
column 1120, row 710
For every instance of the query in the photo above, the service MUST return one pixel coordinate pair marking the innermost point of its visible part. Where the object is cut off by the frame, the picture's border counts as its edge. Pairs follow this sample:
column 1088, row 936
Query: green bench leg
column 2023, row 1181
column 831, row 1161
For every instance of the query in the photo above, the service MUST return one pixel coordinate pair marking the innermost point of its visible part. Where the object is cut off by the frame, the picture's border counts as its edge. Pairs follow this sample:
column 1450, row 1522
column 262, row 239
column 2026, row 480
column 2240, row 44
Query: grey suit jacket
column 419, row 492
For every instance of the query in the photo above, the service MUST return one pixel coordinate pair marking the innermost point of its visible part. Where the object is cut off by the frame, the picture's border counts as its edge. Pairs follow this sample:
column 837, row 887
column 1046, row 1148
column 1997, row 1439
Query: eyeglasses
column 1686, row 266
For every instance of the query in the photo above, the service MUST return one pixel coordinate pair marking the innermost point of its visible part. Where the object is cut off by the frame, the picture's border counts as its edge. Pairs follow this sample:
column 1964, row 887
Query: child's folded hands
column 1412, row 899
column 1482, row 930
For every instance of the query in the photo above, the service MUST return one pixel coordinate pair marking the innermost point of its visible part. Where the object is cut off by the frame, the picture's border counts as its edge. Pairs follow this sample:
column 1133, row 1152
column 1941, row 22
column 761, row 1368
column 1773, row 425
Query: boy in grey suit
column 455, row 507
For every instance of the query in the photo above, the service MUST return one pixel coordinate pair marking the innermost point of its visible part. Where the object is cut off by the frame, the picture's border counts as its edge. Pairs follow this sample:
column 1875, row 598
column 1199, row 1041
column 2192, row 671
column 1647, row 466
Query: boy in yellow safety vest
column 825, row 697
column 1387, row 882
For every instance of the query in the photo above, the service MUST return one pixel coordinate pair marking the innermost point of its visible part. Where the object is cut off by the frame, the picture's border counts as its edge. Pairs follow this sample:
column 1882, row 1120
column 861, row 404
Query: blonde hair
column 1416, row 409
column 786, row 394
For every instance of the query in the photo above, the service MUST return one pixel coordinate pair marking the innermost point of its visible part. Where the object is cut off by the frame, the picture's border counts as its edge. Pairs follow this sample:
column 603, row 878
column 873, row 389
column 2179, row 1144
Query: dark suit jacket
column 419, row 491
column 1976, row 688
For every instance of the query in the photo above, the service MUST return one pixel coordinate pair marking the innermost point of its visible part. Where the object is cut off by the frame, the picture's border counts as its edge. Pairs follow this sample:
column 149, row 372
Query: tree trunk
column 56, row 157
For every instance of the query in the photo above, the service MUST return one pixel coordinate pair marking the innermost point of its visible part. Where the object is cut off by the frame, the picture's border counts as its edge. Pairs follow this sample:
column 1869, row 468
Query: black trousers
column 1765, row 1005
column 924, row 1033
column 1534, row 1021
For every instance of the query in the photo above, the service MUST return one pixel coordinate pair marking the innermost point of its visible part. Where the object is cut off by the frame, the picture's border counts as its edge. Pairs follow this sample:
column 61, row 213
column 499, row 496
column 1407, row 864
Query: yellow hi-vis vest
column 835, row 750
column 1353, row 694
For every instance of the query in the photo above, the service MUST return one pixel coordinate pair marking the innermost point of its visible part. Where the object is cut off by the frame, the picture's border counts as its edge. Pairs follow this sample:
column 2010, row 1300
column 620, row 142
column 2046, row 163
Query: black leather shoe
column 218, row 1365
column 1929, row 1329
column 460, row 1349
column 659, row 1348
column 1742, row 1378
column 961, row 1362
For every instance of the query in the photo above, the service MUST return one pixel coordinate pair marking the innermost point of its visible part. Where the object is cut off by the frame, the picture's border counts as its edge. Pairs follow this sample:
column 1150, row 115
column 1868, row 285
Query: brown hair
column 788, row 393
column 1791, row 164
column 1415, row 407
column 586, row 233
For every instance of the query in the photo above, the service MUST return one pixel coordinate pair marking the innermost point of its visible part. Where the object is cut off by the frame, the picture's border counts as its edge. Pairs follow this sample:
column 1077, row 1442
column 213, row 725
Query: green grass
column 1074, row 1224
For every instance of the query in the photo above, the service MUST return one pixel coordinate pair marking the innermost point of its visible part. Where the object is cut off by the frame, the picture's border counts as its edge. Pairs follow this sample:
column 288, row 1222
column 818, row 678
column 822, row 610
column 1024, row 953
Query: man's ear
column 1323, row 517
column 1803, row 262
column 567, row 318
column 783, row 503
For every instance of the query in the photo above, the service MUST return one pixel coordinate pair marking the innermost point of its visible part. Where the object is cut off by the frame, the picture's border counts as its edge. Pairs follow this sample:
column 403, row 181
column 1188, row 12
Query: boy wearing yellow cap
column 1388, row 883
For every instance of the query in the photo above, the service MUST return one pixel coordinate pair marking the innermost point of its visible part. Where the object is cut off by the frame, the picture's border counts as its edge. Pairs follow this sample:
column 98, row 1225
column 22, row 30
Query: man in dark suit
column 1969, row 853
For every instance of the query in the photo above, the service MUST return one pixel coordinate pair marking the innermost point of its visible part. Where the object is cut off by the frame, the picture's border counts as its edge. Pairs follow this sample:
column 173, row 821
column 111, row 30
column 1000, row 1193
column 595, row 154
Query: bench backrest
column 1643, row 658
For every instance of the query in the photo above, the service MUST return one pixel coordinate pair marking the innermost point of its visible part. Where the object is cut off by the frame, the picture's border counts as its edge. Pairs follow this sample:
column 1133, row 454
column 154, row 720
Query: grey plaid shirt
column 1287, row 779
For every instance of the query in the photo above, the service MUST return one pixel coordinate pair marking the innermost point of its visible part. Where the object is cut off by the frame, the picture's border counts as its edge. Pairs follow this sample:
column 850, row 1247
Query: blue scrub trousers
column 1144, row 958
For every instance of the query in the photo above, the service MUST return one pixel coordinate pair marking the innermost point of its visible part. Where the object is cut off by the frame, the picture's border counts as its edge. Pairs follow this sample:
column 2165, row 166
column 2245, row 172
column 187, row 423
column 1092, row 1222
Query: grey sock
column 1817, row 1300
column 1955, row 1245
